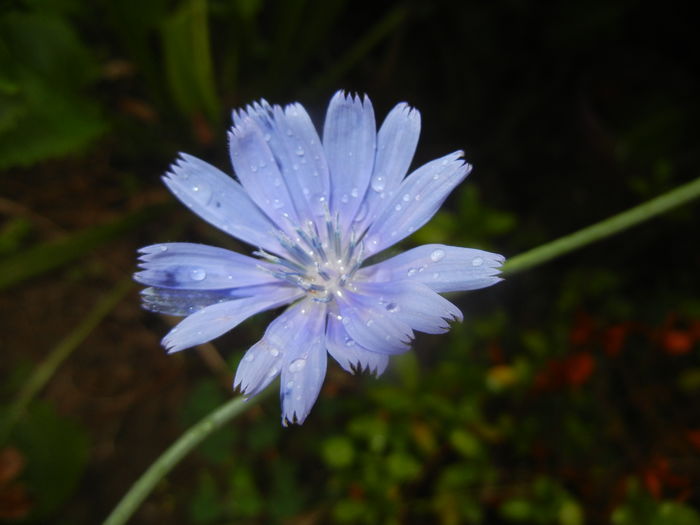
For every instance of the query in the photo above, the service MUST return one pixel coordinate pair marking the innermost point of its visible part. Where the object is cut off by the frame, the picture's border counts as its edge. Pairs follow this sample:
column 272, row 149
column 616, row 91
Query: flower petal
column 396, row 145
column 294, row 346
column 442, row 268
column 298, row 151
column 349, row 139
column 305, row 361
column 367, row 322
column 198, row 267
column 257, row 169
column 350, row 355
column 220, row 200
column 217, row 319
column 416, row 200
column 412, row 304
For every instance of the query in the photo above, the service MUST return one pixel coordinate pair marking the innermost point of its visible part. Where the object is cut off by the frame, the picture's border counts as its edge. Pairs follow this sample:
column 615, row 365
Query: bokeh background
column 568, row 396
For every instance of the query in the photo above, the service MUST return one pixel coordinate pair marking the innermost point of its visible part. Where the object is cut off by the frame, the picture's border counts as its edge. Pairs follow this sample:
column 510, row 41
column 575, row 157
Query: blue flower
column 315, row 209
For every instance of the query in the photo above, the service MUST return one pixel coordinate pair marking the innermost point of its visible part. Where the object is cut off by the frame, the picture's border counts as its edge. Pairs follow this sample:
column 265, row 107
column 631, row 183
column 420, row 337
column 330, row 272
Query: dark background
column 570, row 393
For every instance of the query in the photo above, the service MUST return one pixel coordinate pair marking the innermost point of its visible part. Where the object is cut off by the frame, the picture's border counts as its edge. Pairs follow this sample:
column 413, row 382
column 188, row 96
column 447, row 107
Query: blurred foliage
column 569, row 395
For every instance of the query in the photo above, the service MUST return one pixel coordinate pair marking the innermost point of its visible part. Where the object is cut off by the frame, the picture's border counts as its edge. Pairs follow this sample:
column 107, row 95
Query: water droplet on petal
column 268, row 137
column 274, row 352
column 163, row 248
column 277, row 182
column 299, row 151
column 477, row 261
column 253, row 168
column 411, row 272
column 250, row 357
column 349, row 341
column 277, row 204
column 297, row 365
column 290, row 384
column 437, row 255
column 345, row 199
column 370, row 323
column 198, row 274
column 355, row 192
column 436, row 275
column 392, row 307
column 378, row 184
column 397, row 207
column 195, row 188
column 406, row 197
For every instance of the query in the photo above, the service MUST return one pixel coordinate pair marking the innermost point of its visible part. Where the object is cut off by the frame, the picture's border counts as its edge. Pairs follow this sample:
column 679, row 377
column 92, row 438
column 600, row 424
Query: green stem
column 603, row 229
column 540, row 255
column 178, row 450
column 45, row 371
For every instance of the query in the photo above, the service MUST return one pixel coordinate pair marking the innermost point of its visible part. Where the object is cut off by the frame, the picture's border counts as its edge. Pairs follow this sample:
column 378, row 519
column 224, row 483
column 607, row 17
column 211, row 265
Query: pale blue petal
column 416, row 200
column 442, row 268
column 412, row 304
column 199, row 267
column 221, row 201
column 366, row 320
column 396, row 145
column 172, row 301
column 305, row 360
column 350, row 355
column 217, row 319
column 257, row 169
column 349, row 139
column 298, row 151
column 294, row 346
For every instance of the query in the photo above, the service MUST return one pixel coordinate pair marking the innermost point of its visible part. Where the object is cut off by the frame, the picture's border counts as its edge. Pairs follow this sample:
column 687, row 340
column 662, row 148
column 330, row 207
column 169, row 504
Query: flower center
column 320, row 263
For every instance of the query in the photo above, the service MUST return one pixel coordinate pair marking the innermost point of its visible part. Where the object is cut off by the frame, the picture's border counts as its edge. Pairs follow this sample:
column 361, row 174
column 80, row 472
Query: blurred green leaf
column 188, row 60
column 206, row 503
column 203, row 398
column 337, row 451
column 50, row 255
column 56, row 451
column 44, row 73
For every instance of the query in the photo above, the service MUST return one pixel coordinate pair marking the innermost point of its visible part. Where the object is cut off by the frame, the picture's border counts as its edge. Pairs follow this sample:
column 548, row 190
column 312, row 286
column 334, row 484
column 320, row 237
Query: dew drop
column 477, row 261
column 274, row 352
column 277, row 182
column 378, row 184
column 198, row 274
column 392, row 307
column 297, row 365
column 370, row 323
column 299, row 151
column 163, row 248
column 195, row 188
column 436, row 176
column 268, row 137
column 250, row 357
column 437, row 255
column 345, row 199
column 411, row 272
column 397, row 207
column 349, row 341
column 290, row 384
column 355, row 192
column 277, row 204
column 436, row 275
column 273, row 371
column 406, row 197
column 253, row 168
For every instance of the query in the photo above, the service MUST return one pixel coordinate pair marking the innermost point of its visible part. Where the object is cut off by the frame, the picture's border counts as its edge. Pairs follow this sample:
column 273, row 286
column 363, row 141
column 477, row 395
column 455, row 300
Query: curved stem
column 603, row 229
column 172, row 456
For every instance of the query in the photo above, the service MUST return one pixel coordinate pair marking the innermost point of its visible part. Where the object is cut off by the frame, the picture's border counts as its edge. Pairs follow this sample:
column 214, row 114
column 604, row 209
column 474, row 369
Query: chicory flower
column 315, row 210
